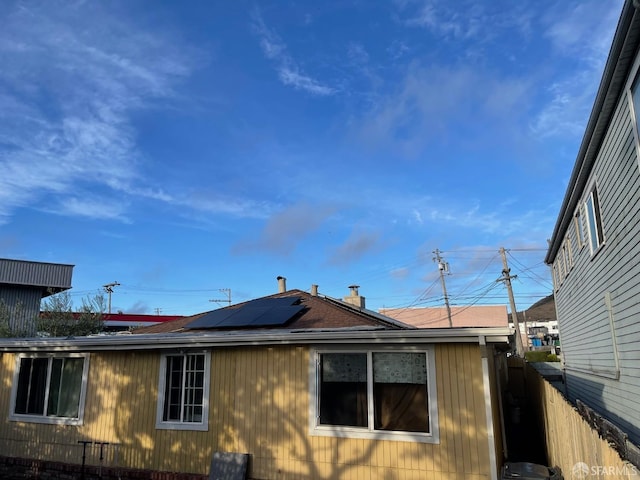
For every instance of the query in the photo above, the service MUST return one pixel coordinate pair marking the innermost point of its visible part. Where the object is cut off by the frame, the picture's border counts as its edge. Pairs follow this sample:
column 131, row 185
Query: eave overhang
column 237, row 339
column 616, row 71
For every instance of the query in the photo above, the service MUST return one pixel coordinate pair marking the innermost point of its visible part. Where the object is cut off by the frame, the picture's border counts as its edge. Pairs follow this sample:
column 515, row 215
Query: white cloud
column 303, row 82
column 579, row 33
column 462, row 20
column 93, row 207
column 289, row 72
column 73, row 74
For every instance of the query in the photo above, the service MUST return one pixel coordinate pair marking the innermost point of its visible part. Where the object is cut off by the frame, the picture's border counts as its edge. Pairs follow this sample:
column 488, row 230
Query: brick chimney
column 282, row 284
column 354, row 298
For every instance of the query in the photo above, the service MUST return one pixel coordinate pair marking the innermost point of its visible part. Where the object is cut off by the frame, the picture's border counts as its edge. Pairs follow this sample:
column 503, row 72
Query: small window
column 568, row 253
column 635, row 98
column 376, row 394
column 594, row 220
column 183, row 400
column 579, row 228
column 50, row 389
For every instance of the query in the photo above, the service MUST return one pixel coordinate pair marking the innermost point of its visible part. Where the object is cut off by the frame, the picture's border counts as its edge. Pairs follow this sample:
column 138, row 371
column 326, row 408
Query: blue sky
column 181, row 148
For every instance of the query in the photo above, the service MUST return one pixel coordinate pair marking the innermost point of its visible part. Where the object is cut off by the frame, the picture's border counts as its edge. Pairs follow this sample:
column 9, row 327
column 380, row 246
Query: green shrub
column 536, row 356
column 552, row 357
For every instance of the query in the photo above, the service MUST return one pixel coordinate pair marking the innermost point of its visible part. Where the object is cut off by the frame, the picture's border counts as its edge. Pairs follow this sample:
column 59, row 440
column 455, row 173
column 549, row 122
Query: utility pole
column 443, row 267
column 109, row 289
column 506, row 278
column 227, row 292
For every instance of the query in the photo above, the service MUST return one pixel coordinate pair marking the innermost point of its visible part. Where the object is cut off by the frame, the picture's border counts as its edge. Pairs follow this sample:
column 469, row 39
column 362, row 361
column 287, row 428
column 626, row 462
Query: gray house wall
column 598, row 294
column 23, row 284
column 602, row 291
column 23, row 304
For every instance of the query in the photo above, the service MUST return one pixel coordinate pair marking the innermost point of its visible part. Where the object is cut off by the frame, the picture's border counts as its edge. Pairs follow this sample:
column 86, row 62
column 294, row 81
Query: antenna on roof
column 227, row 292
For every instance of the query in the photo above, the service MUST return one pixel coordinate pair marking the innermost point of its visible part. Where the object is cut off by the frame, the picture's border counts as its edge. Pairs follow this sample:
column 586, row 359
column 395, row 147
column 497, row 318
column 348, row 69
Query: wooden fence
column 572, row 444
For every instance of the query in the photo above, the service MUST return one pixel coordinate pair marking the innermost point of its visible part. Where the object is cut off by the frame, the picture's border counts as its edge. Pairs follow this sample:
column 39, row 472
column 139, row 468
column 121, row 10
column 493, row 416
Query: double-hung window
column 50, row 388
column 382, row 394
column 183, row 394
column 594, row 220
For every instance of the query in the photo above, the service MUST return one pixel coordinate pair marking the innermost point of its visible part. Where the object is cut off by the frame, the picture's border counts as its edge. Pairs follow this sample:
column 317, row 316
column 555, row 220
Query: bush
column 540, row 356
column 59, row 320
column 537, row 355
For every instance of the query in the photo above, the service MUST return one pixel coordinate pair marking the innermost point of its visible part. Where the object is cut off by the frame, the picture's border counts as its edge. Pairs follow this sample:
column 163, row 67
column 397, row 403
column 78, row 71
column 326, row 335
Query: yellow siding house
column 307, row 386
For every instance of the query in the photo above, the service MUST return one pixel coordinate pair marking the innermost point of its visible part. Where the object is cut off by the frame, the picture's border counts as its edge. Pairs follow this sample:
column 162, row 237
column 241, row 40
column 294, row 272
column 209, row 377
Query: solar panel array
column 263, row 312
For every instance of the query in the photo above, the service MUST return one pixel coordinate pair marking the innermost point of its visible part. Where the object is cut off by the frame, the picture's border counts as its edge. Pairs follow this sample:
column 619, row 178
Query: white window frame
column 44, row 418
column 316, row 429
column 634, row 80
column 595, row 244
column 181, row 425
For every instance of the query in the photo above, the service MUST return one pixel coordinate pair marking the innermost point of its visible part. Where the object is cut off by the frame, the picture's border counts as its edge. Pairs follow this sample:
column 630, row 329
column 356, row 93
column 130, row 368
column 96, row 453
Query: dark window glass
column 343, row 389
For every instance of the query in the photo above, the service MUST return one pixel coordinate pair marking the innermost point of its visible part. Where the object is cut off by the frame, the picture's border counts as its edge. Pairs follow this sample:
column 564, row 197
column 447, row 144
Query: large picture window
column 183, row 398
column 49, row 389
column 375, row 394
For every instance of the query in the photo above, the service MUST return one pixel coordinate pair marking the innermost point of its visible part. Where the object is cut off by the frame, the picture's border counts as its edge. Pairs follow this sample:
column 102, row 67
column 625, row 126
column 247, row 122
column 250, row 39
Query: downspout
column 491, row 438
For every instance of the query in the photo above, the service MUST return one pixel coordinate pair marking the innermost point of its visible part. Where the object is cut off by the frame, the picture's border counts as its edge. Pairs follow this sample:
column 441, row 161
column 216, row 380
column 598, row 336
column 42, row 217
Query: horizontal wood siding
column 587, row 339
column 259, row 404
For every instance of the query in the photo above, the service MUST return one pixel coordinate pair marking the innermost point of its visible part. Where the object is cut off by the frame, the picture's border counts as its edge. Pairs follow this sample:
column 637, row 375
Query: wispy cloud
column 430, row 103
column 463, row 20
column 93, row 207
column 355, row 247
column 492, row 221
column 576, row 34
column 72, row 75
column 289, row 71
column 284, row 230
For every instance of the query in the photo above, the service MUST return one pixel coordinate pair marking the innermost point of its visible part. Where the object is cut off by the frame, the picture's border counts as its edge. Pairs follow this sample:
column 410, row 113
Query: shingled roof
column 319, row 312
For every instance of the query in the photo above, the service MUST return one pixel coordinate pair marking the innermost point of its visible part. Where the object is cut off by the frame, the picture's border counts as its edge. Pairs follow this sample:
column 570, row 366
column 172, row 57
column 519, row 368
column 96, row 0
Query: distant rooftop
column 50, row 277
column 436, row 317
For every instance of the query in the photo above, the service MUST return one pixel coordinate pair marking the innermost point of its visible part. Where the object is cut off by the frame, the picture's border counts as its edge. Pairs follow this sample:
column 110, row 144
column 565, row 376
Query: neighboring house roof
column 136, row 320
column 436, row 317
column 317, row 312
column 616, row 71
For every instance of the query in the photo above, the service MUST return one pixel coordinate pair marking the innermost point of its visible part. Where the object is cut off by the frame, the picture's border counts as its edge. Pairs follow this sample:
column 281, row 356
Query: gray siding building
column 595, row 247
column 24, row 284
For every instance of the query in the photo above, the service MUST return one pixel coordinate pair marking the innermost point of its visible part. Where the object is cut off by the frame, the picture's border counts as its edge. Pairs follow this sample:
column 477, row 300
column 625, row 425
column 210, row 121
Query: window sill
column 198, row 427
column 611, row 374
column 47, row 420
column 595, row 253
column 345, row 432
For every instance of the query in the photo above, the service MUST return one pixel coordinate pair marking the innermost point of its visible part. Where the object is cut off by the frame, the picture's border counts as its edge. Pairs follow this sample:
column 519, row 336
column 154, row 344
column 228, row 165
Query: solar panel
column 211, row 319
column 261, row 312
column 277, row 316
